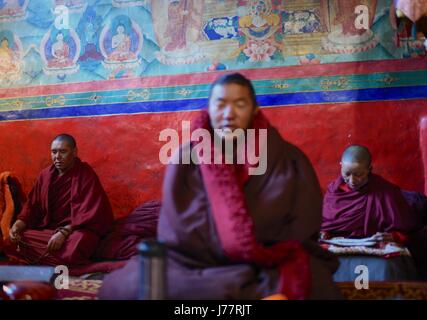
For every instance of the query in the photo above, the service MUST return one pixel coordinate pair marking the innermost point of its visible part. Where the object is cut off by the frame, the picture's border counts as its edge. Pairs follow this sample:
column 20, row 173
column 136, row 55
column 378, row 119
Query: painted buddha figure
column 9, row 62
column 121, row 45
column 60, row 52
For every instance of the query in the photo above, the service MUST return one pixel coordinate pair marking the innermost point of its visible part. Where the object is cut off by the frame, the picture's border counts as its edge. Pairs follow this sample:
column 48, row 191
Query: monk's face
column 231, row 107
column 63, row 155
column 355, row 174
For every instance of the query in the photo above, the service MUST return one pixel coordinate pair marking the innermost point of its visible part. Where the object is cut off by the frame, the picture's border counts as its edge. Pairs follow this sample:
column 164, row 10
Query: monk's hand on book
column 56, row 242
column 383, row 237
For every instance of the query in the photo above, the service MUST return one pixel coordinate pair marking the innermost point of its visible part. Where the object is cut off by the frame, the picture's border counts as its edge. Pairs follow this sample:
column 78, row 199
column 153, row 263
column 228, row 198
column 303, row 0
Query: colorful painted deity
column 261, row 23
column 59, row 51
column 121, row 43
column 180, row 17
column 178, row 36
column 345, row 35
column 260, row 27
column 89, row 29
column 10, row 58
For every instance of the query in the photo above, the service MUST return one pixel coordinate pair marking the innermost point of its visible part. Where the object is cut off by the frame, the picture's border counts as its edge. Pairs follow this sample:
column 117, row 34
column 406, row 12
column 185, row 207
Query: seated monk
column 66, row 213
column 362, row 204
column 232, row 233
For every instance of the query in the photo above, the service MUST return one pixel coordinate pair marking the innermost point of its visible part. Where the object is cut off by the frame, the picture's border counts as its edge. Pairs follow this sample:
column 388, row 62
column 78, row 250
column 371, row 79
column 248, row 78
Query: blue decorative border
column 269, row 100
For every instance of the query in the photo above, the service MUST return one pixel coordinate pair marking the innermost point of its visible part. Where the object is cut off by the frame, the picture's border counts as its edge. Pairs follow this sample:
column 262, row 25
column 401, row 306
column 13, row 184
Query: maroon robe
column 379, row 206
column 77, row 199
column 121, row 243
column 285, row 204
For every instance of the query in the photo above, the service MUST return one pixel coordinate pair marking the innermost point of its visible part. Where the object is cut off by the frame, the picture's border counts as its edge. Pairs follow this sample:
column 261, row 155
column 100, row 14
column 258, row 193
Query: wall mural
column 107, row 40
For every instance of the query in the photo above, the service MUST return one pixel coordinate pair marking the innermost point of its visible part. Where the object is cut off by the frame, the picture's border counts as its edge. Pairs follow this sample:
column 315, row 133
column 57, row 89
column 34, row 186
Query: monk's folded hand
column 14, row 236
column 56, row 242
column 16, row 229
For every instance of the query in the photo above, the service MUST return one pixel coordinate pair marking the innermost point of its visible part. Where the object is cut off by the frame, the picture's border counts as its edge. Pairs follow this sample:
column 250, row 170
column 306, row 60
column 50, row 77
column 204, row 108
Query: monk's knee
column 79, row 247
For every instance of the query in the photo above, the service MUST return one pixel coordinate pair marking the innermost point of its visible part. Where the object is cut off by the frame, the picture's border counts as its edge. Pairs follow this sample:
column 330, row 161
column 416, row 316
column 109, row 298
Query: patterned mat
column 80, row 289
column 385, row 291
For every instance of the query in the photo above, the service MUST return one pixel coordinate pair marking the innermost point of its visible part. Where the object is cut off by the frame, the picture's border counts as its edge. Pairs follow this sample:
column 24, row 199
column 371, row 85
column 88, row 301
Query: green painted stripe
column 200, row 91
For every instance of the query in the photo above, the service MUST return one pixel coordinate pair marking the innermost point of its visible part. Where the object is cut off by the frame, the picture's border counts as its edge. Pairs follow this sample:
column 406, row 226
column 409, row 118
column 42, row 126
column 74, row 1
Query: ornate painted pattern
column 100, row 57
column 271, row 92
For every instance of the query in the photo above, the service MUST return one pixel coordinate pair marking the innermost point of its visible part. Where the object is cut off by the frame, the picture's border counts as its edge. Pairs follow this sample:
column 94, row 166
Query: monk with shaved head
column 360, row 203
column 66, row 213
column 356, row 166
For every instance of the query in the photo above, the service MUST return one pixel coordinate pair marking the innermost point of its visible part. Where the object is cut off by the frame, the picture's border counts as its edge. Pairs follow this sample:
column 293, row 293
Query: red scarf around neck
column 224, row 184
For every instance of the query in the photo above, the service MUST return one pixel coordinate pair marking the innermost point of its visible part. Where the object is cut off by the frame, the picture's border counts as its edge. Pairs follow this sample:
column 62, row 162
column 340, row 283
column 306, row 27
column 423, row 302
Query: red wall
column 124, row 149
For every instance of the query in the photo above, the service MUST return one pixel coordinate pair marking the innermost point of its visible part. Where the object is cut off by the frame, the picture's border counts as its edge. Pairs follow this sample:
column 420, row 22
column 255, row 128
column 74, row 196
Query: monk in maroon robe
column 361, row 204
column 66, row 214
column 233, row 235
